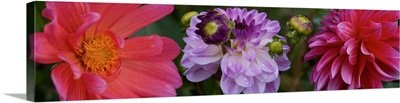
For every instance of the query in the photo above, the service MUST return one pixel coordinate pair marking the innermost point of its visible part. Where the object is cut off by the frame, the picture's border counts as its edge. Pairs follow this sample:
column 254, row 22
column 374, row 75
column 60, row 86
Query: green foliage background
column 295, row 79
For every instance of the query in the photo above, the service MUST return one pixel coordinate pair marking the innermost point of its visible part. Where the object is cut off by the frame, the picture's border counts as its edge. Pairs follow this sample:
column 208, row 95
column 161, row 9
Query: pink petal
column 61, row 76
column 328, row 57
column 315, row 52
column 335, row 83
column 143, row 46
column 68, row 14
column 345, row 30
column 389, row 30
column 94, row 84
column 80, row 34
column 385, row 53
column 77, row 90
column 323, row 79
column 352, row 50
column 110, row 13
column 140, row 18
column 158, row 70
column 74, row 62
column 369, row 56
column 42, row 50
column 347, row 72
column 369, row 81
column 150, row 48
column 386, row 15
column 143, row 84
column 336, row 66
column 118, row 89
column 54, row 32
column 372, row 31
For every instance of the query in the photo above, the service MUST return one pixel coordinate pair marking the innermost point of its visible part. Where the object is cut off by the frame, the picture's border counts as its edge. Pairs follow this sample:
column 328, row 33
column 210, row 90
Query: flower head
column 246, row 66
column 97, row 59
column 203, row 52
column 359, row 49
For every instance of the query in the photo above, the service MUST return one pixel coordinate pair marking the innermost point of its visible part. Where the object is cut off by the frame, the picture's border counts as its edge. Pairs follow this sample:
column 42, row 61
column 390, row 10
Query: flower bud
column 275, row 47
column 214, row 28
column 301, row 24
column 185, row 20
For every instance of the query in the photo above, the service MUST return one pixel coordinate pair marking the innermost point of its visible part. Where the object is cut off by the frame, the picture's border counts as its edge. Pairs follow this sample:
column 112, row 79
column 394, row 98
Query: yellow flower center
column 99, row 54
column 211, row 28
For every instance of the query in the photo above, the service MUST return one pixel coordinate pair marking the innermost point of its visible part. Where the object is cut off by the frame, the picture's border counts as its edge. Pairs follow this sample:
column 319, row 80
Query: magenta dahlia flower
column 96, row 58
column 359, row 49
column 247, row 66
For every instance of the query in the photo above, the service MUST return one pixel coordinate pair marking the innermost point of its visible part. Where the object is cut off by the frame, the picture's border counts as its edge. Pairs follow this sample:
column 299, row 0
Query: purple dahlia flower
column 247, row 67
column 203, row 52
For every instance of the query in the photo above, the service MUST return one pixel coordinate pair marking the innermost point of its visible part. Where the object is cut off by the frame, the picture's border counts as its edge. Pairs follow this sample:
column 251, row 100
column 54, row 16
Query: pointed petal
column 150, row 48
column 347, row 72
column 94, row 84
column 283, row 62
column 335, row 83
column 244, row 81
column 110, row 13
column 74, row 62
column 272, row 87
column 229, row 86
column 258, row 87
column 139, row 18
column 197, row 74
column 42, row 50
column 68, row 14
column 336, row 66
column 164, row 71
column 143, row 84
column 328, row 57
column 77, row 90
column 345, row 30
column 80, row 34
column 61, row 76
column 117, row 90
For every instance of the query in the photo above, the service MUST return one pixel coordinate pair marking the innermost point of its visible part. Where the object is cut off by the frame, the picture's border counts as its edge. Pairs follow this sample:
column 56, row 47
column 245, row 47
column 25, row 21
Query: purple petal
column 258, row 87
column 244, row 81
column 273, row 86
column 229, row 86
column 283, row 62
column 197, row 74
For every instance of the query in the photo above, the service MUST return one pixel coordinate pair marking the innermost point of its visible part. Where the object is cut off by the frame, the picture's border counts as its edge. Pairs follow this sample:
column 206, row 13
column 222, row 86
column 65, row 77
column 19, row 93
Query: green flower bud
column 276, row 46
column 301, row 24
column 185, row 20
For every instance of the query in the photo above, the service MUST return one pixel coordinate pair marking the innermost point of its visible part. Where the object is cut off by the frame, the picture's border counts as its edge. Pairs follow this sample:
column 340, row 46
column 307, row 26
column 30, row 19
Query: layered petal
column 42, row 50
column 150, row 48
column 139, row 18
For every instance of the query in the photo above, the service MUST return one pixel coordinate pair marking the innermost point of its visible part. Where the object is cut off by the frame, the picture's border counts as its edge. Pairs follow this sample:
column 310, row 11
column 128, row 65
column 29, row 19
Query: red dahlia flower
column 359, row 49
column 97, row 60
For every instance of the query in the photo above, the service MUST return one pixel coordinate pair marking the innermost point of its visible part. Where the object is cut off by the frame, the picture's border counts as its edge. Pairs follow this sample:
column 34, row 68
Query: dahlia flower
column 97, row 60
column 359, row 49
column 203, row 52
column 247, row 66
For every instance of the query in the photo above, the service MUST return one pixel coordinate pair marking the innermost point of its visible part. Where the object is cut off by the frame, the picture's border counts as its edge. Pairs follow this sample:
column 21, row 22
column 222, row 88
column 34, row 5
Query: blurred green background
column 295, row 79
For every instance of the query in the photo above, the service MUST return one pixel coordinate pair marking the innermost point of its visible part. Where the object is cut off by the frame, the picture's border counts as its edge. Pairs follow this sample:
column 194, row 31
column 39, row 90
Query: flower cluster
column 244, row 59
column 359, row 49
